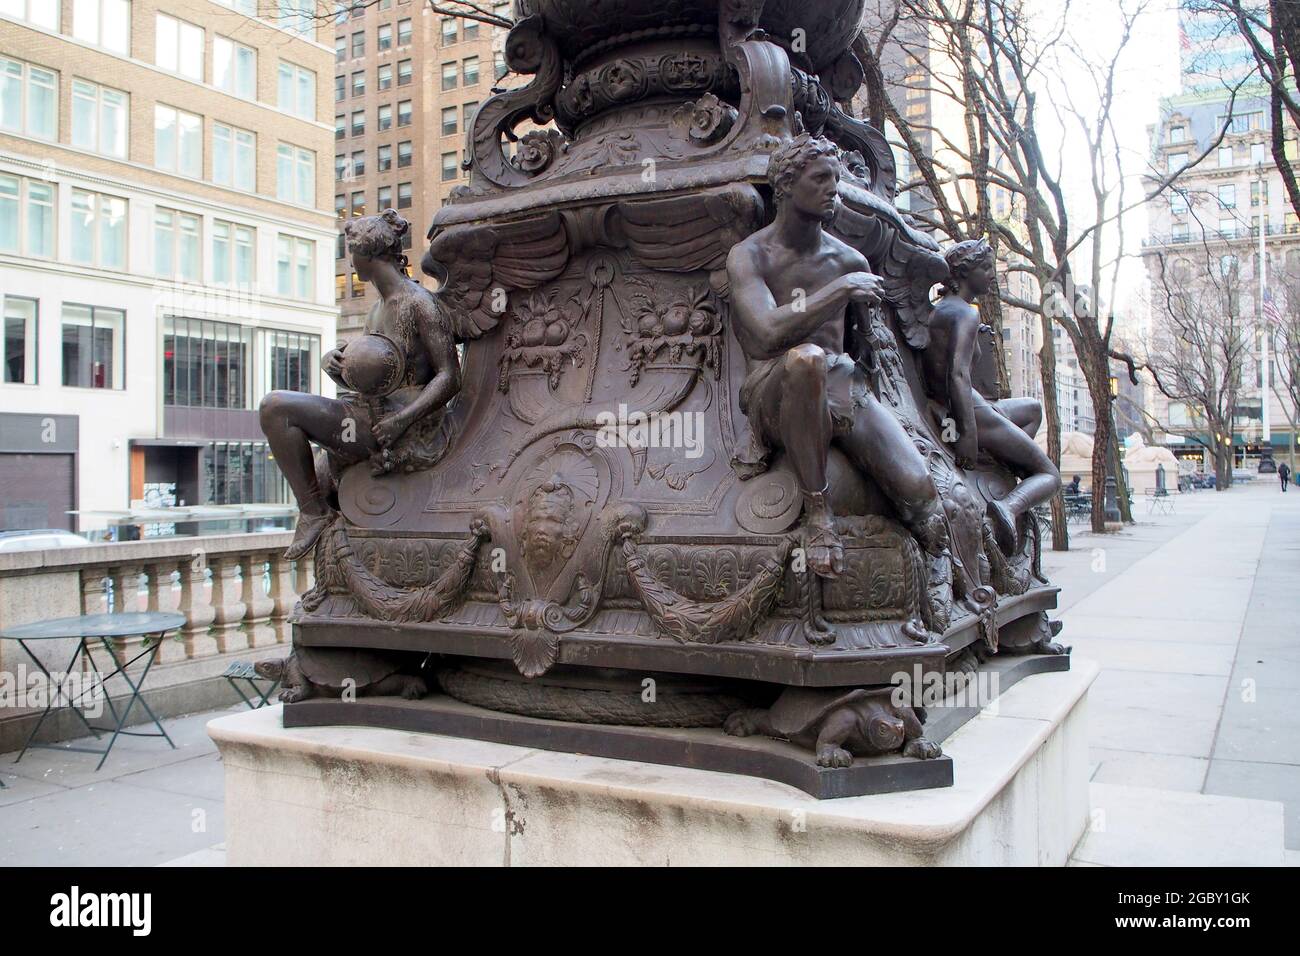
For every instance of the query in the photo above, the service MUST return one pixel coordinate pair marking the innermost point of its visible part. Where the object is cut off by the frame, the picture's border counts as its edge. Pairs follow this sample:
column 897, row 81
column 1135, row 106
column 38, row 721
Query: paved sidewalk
column 1193, row 617
column 1194, row 620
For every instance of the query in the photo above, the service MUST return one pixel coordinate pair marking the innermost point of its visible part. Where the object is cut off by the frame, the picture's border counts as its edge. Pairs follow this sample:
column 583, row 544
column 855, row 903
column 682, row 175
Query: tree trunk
column 1052, row 420
column 1100, row 453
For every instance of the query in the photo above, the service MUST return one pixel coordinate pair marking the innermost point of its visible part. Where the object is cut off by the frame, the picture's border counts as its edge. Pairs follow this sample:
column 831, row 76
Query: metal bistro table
column 86, row 629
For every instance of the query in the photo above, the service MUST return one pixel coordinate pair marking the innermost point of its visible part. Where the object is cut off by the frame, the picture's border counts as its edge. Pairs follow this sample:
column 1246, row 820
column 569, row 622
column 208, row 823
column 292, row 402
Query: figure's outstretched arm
column 766, row 330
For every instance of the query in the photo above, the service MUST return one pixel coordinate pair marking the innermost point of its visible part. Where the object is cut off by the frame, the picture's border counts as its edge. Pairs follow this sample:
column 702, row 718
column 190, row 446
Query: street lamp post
column 1266, row 465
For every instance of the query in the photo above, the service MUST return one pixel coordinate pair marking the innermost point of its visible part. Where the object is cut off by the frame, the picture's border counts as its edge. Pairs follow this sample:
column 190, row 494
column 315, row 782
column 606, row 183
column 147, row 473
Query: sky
column 1148, row 70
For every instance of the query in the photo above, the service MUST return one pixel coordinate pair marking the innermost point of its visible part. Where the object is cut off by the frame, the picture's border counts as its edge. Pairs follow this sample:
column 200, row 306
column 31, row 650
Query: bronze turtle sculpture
column 330, row 672
column 839, row 725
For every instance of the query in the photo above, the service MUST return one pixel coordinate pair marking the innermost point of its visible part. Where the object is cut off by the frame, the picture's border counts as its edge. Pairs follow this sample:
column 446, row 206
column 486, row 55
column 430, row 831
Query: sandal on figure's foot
column 308, row 531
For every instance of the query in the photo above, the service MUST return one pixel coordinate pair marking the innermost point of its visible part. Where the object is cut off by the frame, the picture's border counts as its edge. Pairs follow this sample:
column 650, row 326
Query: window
column 296, row 88
column 384, row 159
column 358, row 122
column 449, row 170
column 105, row 23
column 403, row 72
column 234, row 68
column 1178, row 203
column 205, row 363
column 295, row 175
column 342, row 168
column 1227, row 228
column 297, row 16
column 1179, row 232
column 178, row 141
column 403, row 195
column 28, row 99
column 384, row 39
column 98, row 230
column 448, row 31
column 92, row 346
column 467, row 115
column 449, row 76
column 243, row 6
column 234, row 157
column 404, row 113
column 42, row 13
column 359, row 83
column 1227, row 196
column 340, row 126
column 499, row 67
column 99, row 118
column 358, row 287
column 294, row 266
column 233, row 253
column 1258, row 196
column 469, row 70
column 471, row 30
column 178, row 47
column 292, row 359
column 358, row 45
column 385, row 77
column 340, row 49
column 1259, row 154
column 403, row 32
column 385, row 199
column 1175, row 161
column 385, row 117
column 19, row 341
column 403, row 155
column 358, row 204
column 449, row 121
column 1225, row 156
column 176, row 246
column 340, row 285
column 340, row 88
column 1177, row 134
column 26, row 217
column 359, row 163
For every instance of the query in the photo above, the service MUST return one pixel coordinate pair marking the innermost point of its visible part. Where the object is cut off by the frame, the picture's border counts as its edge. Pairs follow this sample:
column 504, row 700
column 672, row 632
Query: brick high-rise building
column 165, row 234
column 407, row 82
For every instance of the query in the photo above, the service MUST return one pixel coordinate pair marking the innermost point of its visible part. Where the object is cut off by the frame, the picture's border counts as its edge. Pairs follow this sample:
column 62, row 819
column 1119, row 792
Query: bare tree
column 1271, row 31
column 1199, row 346
column 1285, row 341
column 1011, row 79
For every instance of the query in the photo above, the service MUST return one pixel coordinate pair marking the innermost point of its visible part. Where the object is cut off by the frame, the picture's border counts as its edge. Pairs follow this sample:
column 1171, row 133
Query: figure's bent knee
column 805, row 361
column 275, row 406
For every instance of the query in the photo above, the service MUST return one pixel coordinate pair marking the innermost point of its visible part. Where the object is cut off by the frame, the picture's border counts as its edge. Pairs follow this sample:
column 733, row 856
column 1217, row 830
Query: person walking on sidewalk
column 1284, row 473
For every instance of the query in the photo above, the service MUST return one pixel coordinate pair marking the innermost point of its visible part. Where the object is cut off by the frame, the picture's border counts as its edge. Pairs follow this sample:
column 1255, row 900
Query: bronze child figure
column 791, row 286
column 403, row 370
column 1002, row 430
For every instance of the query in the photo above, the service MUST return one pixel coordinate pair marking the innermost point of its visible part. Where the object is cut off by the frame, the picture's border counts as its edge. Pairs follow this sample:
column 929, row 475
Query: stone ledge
column 350, row 796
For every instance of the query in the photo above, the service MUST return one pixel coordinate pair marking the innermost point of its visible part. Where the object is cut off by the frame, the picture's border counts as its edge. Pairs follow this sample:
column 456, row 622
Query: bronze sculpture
column 692, row 468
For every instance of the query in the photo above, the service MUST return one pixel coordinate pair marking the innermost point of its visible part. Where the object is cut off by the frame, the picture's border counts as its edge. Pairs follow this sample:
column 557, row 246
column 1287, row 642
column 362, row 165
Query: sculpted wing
column 473, row 259
column 686, row 233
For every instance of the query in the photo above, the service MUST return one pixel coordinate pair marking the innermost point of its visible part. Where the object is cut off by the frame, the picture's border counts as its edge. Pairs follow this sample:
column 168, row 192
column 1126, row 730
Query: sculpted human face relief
column 814, row 191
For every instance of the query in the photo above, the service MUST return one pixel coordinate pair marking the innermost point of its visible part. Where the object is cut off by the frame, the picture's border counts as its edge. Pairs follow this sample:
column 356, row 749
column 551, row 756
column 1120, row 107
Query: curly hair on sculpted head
column 377, row 237
column 790, row 158
column 964, row 256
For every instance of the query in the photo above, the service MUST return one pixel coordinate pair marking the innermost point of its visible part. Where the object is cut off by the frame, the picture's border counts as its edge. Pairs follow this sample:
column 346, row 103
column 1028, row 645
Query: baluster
column 196, row 607
column 282, row 593
column 225, row 601
column 258, row 603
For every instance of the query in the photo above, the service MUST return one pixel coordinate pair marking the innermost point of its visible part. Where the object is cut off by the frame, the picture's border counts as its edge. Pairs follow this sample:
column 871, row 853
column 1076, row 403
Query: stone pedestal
column 359, row 796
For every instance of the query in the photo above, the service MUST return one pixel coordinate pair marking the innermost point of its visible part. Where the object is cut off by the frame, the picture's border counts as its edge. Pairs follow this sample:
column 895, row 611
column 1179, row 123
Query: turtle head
column 270, row 669
column 884, row 732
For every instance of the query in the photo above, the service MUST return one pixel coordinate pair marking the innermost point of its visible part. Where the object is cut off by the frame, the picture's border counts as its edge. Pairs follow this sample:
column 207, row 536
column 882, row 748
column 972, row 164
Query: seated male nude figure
column 791, row 285
column 1003, row 429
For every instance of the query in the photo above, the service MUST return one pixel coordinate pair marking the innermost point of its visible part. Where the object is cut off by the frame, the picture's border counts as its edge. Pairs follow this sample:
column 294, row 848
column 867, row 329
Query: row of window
column 383, row 76
column 348, row 168
column 179, row 47
column 383, row 40
column 98, row 237
column 101, row 124
column 205, row 363
column 383, row 119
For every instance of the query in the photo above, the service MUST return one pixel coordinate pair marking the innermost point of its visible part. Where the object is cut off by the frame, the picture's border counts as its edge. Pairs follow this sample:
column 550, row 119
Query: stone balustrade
column 236, row 592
